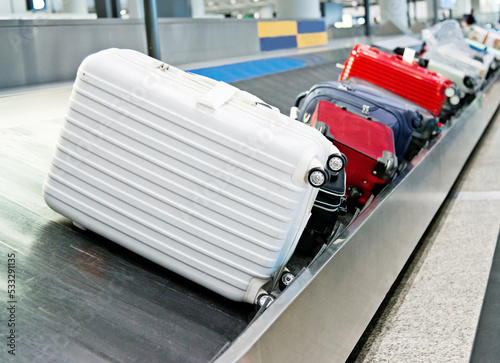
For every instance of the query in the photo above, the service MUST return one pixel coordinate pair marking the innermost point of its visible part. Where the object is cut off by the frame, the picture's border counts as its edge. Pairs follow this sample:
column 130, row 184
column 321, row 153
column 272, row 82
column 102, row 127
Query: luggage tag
column 408, row 55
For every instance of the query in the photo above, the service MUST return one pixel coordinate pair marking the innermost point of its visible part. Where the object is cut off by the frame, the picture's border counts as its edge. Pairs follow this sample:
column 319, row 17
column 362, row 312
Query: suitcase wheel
column 317, row 177
column 337, row 162
column 265, row 300
column 455, row 100
column 285, row 280
column 469, row 82
column 449, row 92
column 79, row 226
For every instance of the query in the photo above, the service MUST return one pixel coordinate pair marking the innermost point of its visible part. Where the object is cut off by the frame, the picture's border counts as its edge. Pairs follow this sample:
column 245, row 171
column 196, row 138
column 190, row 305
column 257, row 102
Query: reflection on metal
column 107, row 8
column 435, row 10
column 322, row 314
column 150, row 18
column 367, row 18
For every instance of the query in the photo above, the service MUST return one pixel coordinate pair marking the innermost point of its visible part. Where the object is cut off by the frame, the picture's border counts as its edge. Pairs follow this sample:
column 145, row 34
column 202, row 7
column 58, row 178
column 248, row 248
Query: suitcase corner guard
column 386, row 166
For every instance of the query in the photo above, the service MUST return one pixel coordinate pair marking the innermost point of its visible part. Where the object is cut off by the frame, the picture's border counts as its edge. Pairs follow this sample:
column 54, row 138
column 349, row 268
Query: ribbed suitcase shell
column 216, row 193
column 455, row 70
column 415, row 83
column 362, row 141
column 482, row 65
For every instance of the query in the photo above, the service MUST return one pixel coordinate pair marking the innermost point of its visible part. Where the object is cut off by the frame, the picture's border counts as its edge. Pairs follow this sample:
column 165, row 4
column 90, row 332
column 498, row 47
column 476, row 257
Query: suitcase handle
column 267, row 106
column 294, row 110
column 299, row 98
column 218, row 95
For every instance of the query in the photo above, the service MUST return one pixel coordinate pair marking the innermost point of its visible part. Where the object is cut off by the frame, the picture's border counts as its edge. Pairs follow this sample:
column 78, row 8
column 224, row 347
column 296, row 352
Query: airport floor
column 432, row 311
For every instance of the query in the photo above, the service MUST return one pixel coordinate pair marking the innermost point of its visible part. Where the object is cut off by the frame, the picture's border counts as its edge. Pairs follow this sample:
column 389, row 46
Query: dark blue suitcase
column 397, row 115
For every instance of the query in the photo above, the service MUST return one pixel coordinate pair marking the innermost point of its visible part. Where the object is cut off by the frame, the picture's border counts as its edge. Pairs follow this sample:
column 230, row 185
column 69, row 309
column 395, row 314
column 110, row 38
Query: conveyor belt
column 280, row 89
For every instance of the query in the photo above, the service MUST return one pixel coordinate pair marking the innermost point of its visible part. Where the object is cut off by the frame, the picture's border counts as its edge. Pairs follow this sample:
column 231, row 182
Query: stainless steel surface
column 206, row 39
column 150, row 18
column 367, row 18
column 42, row 50
column 323, row 313
column 355, row 31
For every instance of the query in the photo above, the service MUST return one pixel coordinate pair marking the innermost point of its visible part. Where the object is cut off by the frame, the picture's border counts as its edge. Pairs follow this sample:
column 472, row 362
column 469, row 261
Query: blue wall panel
column 311, row 26
column 278, row 42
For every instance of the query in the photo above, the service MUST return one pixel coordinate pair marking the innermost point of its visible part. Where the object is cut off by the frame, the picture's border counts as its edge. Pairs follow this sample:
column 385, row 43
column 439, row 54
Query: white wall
column 375, row 11
column 19, row 6
column 5, row 7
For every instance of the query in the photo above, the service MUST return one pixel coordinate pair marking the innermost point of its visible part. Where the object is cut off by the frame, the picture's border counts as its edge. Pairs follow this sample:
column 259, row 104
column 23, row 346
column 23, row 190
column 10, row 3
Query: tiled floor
column 432, row 312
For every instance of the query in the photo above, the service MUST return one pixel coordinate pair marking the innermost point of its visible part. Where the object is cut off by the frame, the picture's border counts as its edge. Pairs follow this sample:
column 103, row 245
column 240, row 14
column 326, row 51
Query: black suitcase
column 329, row 204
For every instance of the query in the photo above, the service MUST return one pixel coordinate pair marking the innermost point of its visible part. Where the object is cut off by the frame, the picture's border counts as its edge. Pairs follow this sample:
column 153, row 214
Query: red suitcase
column 368, row 146
column 417, row 84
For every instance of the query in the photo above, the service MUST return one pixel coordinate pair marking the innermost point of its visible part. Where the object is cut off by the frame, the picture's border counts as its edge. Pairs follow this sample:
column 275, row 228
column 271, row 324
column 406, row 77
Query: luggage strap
column 218, row 95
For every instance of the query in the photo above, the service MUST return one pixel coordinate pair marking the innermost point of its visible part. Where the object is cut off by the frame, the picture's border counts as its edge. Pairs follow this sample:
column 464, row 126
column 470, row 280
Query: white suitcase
column 466, row 77
column 482, row 62
column 194, row 174
column 447, row 38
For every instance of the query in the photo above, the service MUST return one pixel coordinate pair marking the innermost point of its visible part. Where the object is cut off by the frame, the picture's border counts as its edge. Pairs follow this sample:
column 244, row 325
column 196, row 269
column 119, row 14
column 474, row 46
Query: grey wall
column 356, row 31
column 174, row 8
column 41, row 51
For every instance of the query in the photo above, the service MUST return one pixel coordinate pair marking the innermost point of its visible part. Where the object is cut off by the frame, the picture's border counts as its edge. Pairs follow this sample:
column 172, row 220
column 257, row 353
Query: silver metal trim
column 353, row 275
column 331, row 193
column 328, row 210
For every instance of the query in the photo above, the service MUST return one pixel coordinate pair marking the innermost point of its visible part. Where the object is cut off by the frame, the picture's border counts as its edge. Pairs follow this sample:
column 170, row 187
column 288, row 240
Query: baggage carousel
column 80, row 297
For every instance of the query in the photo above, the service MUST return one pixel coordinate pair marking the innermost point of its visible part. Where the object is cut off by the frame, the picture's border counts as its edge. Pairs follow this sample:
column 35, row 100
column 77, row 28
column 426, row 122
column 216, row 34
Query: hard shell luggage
column 465, row 76
column 386, row 110
column 417, row 84
column 482, row 62
column 368, row 146
column 430, row 126
column 447, row 38
column 193, row 174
